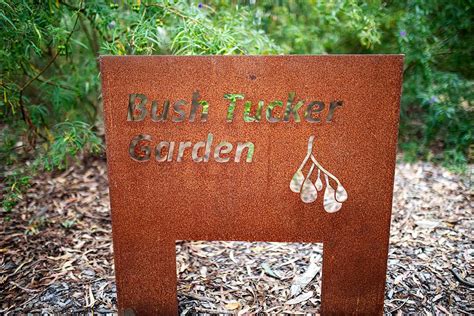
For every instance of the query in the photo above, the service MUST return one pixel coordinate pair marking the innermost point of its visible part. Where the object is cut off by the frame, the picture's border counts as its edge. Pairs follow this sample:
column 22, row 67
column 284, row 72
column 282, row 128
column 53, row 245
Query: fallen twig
column 461, row 280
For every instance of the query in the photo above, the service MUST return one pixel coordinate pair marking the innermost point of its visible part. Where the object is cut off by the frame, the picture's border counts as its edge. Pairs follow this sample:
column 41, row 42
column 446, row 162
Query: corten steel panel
column 154, row 204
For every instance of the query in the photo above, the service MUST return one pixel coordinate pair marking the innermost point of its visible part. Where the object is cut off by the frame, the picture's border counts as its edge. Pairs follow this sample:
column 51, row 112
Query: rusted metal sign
column 252, row 148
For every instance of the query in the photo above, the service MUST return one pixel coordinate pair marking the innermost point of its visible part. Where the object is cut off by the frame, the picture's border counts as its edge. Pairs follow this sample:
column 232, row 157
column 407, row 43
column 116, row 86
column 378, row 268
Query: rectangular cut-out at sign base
column 257, row 277
column 321, row 135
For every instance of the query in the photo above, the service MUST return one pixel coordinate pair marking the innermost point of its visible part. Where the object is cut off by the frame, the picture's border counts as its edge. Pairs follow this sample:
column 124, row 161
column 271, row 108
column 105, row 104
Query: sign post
column 252, row 148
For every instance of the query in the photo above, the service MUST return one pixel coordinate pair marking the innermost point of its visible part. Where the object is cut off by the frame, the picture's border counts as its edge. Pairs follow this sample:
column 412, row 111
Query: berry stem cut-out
column 308, row 191
column 309, row 194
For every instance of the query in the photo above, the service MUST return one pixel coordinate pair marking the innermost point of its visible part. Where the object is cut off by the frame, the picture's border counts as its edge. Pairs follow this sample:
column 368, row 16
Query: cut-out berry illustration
column 309, row 194
column 333, row 198
column 330, row 203
column 319, row 183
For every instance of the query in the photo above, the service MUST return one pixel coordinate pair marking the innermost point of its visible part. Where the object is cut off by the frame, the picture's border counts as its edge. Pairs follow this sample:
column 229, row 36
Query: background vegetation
column 50, row 107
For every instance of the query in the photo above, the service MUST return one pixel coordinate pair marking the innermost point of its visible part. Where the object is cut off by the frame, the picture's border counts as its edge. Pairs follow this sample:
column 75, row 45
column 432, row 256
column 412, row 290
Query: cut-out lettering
column 332, row 108
column 275, row 111
column 137, row 112
column 160, row 157
column 142, row 147
column 258, row 113
column 314, row 107
column 178, row 109
column 196, row 150
column 182, row 147
column 292, row 110
column 249, row 146
column 222, row 149
column 164, row 112
column 269, row 112
column 196, row 105
column 139, row 148
column 231, row 108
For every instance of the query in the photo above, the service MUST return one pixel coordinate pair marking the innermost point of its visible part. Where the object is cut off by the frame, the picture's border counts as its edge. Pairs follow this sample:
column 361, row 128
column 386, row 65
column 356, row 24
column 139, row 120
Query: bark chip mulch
column 56, row 254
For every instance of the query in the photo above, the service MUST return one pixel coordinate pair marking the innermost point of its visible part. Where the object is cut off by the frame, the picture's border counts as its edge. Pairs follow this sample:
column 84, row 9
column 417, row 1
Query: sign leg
column 149, row 285
column 354, row 277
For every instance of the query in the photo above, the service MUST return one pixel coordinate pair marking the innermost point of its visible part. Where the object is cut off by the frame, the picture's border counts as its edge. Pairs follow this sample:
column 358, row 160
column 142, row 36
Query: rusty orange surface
column 154, row 204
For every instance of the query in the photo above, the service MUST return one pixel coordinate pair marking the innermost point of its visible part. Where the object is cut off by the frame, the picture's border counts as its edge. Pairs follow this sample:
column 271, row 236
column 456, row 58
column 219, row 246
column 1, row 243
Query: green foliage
column 436, row 38
column 69, row 139
column 319, row 27
column 437, row 105
column 68, row 224
column 50, row 105
column 16, row 183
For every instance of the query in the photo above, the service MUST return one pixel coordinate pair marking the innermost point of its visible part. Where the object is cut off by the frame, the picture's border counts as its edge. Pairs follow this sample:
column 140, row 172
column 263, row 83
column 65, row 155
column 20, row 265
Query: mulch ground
column 56, row 254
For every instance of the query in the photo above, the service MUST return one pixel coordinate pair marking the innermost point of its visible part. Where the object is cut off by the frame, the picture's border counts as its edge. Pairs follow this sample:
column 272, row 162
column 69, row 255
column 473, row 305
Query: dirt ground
column 56, row 254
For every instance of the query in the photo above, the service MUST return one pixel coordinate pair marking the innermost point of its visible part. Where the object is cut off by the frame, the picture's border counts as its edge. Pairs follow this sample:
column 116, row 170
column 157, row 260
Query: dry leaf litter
column 56, row 254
